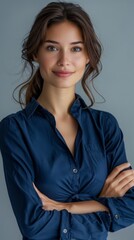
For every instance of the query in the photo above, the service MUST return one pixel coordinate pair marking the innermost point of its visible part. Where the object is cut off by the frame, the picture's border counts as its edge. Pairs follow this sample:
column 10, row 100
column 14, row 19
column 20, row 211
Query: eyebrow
column 72, row 43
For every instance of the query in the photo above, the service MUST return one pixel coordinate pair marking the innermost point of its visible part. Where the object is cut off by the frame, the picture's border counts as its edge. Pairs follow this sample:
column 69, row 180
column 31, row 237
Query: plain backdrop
column 114, row 23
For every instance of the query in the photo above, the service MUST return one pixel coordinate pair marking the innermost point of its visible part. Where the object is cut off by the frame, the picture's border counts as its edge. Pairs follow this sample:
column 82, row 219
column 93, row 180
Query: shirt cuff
column 113, row 212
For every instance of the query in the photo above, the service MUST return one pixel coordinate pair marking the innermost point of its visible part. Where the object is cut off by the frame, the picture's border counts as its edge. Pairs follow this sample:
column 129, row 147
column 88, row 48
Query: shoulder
column 107, row 126
column 105, row 122
column 10, row 120
column 9, row 125
column 103, row 118
column 98, row 118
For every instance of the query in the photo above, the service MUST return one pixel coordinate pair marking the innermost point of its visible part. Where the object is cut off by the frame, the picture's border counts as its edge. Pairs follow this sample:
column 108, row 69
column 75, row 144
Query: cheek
column 45, row 65
column 46, row 61
column 81, row 65
column 80, row 61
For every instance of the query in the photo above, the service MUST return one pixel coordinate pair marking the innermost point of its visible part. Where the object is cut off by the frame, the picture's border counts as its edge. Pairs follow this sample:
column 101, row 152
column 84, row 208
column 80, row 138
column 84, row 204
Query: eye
column 52, row 48
column 76, row 49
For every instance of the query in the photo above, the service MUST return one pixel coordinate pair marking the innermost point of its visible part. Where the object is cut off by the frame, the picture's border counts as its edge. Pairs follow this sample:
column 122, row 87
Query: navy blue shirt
column 33, row 150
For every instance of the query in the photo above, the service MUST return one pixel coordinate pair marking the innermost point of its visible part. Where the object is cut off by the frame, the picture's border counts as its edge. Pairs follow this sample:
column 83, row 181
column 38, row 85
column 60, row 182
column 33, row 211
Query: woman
column 65, row 164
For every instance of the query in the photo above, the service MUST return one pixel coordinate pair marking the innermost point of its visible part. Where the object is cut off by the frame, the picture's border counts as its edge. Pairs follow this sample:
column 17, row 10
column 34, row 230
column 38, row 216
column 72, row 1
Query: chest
column 58, row 173
column 61, row 176
column 68, row 130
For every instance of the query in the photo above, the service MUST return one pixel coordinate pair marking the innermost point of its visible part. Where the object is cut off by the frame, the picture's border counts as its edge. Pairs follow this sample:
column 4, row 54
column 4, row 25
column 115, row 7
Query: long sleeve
column 33, row 222
column 34, row 151
column 121, row 208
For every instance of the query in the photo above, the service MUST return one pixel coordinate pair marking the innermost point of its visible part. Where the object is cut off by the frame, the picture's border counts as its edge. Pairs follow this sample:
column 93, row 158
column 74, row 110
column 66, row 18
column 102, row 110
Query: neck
column 57, row 100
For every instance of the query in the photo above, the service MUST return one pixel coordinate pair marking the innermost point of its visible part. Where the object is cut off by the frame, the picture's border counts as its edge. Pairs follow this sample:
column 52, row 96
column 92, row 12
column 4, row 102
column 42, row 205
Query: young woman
column 65, row 164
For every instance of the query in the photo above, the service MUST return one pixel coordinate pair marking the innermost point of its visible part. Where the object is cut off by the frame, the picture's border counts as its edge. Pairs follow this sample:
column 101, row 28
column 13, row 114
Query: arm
column 119, row 181
column 81, row 207
column 121, row 207
column 117, row 194
column 116, row 185
column 33, row 221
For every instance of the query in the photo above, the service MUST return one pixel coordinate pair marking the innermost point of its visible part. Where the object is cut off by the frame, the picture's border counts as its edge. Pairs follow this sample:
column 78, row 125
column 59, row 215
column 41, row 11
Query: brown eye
column 76, row 49
column 52, row 48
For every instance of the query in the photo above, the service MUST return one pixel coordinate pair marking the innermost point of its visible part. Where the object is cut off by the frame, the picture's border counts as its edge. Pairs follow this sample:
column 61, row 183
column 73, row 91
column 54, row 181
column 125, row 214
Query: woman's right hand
column 119, row 181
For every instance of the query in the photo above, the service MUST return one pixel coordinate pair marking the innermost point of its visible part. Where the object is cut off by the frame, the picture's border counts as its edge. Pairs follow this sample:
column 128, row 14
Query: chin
column 64, row 85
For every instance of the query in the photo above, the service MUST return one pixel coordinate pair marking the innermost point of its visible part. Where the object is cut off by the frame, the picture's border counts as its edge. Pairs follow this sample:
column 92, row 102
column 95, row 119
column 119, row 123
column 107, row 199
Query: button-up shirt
column 33, row 150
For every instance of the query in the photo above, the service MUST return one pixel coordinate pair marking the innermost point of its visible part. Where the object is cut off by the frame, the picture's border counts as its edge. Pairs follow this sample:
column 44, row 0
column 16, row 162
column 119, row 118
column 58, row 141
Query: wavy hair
column 56, row 12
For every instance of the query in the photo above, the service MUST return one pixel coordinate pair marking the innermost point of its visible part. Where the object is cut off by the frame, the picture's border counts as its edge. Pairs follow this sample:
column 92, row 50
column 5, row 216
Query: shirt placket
column 65, row 227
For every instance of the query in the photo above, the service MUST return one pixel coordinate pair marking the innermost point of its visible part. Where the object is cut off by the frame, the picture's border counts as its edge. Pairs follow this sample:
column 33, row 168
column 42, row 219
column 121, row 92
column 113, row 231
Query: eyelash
column 74, row 49
column 52, row 48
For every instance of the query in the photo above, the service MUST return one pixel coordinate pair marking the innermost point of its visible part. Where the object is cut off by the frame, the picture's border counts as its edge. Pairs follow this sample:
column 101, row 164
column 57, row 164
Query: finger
column 126, row 181
column 36, row 189
column 119, row 181
column 127, row 187
column 125, row 176
column 121, row 188
column 48, row 208
column 117, row 170
column 38, row 192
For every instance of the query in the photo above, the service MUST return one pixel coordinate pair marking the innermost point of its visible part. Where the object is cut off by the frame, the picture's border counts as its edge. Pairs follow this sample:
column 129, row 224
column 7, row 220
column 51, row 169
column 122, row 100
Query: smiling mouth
column 62, row 73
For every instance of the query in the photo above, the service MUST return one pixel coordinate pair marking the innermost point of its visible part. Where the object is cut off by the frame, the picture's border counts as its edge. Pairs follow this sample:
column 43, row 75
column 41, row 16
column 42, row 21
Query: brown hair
column 56, row 12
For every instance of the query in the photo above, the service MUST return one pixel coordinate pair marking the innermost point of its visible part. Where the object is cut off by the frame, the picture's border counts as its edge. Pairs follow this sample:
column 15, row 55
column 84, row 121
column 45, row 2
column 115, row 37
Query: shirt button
column 116, row 216
column 64, row 230
column 75, row 170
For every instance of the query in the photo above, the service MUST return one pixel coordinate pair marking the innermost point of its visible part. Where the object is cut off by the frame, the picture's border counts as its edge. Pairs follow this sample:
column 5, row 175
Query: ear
column 88, row 61
column 35, row 61
column 35, row 58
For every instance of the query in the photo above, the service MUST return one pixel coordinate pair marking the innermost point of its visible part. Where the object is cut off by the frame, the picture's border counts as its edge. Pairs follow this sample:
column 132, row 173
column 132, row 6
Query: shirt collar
column 31, row 107
column 75, row 109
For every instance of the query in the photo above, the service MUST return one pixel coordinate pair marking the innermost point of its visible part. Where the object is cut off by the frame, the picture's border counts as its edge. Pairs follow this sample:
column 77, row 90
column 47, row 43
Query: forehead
column 64, row 32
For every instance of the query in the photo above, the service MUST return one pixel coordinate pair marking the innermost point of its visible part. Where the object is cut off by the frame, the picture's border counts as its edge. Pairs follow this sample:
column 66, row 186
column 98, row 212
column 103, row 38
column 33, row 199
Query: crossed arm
column 119, row 181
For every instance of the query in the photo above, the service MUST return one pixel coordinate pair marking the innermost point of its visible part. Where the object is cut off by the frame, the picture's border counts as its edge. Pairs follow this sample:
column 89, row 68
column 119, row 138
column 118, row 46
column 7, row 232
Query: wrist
column 64, row 206
column 68, row 206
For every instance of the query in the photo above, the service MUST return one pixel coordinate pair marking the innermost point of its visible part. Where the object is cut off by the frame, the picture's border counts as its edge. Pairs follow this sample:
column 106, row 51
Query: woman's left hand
column 49, row 204
column 118, row 182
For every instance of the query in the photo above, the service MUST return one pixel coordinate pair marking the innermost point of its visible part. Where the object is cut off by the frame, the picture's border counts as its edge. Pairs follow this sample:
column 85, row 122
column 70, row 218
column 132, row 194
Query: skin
column 62, row 60
column 62, row 51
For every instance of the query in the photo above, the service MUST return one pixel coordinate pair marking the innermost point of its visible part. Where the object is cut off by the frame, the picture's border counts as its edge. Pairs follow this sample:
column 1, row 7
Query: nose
column 64, row 59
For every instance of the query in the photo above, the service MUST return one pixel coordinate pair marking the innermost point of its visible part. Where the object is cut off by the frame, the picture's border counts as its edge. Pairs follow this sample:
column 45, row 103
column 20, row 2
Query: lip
column 63, row 73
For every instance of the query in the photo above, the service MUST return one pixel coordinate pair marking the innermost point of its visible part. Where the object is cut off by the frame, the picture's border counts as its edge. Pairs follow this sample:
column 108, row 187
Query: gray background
column 113, row 21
